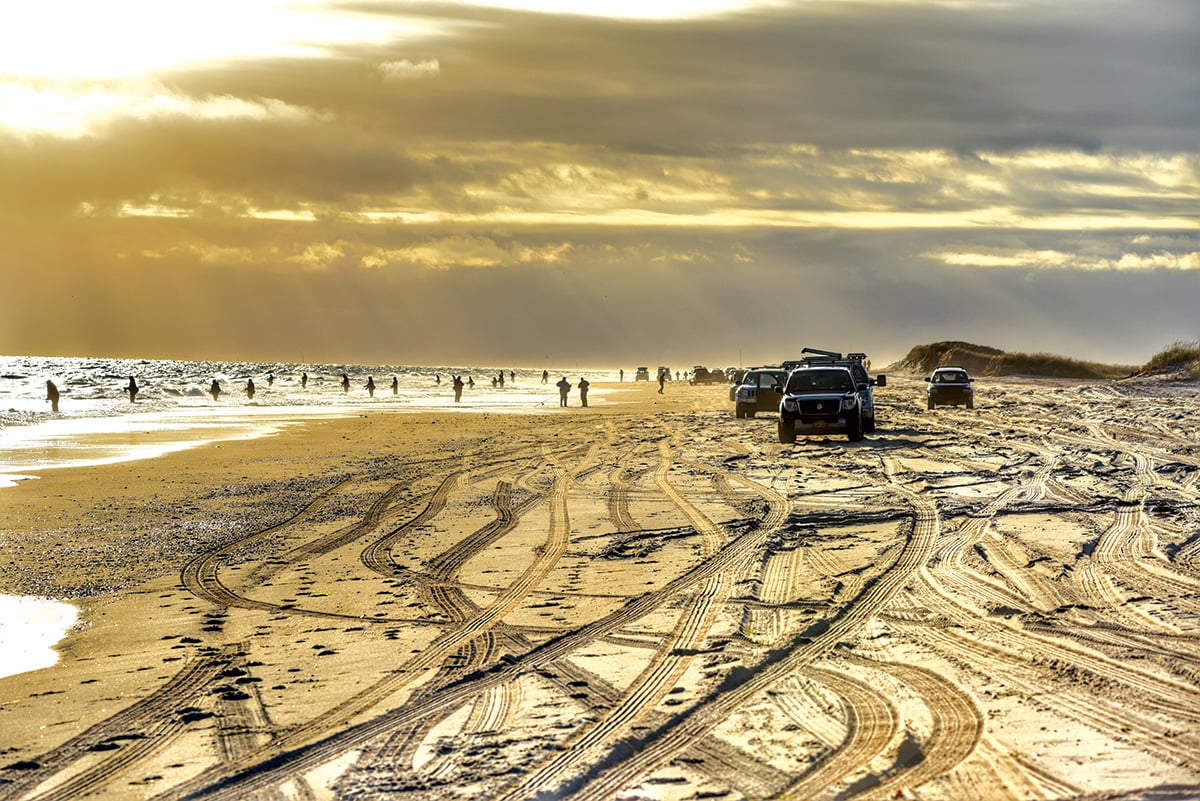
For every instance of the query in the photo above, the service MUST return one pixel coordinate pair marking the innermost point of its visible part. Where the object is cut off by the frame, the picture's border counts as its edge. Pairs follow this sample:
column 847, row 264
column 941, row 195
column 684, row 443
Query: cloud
column 467, row 251
column 405, row 70
column 74, row 112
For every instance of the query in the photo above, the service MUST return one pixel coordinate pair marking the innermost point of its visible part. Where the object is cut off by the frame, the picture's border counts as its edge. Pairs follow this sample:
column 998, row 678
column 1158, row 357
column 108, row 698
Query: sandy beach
column 645, row 599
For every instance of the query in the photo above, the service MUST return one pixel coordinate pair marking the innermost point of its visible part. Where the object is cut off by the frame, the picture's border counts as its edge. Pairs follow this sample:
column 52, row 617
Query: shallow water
column 29, row 628
column 96, row 423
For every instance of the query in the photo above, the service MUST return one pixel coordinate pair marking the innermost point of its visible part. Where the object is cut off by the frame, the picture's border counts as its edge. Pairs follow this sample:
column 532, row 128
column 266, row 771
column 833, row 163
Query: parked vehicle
column 857, row 364
column 821, row 400
column 642, row 374
column 761, row 390
column 702, row 375
column 950, row 386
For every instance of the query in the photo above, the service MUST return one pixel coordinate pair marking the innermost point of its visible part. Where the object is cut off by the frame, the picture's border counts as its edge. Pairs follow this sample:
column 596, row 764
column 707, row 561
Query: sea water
column 97, row 423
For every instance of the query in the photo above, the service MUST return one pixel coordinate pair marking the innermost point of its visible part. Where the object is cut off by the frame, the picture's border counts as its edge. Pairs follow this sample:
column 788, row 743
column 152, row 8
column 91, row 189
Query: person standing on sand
column 395, row 385
column 215, row 389
column 132, row 389
column 564, row 389
column 303, row 380
column 471, row 381
column 345, row 383
column 662, row 380
column 500, row 378
column 458, row 388
column 583, row 388
column 52, row 396
column 270, row 379
column 545, row 376
column 250, row 388
column 371, row 385
column 622, row 375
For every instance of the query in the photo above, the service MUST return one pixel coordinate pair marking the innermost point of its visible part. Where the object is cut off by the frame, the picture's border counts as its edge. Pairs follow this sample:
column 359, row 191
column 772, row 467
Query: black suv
column 856, row 363
column 821, row 400
column 950, row 386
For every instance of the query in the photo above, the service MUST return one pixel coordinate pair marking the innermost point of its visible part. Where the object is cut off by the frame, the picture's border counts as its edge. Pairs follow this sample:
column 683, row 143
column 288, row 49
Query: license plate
column 819, row 424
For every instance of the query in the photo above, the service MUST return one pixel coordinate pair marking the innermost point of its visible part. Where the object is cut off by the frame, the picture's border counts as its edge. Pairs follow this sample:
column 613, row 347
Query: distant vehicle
column 761, row 390
column 643, row 374
column 857, row 364
column 950, row 386
column 702, row 375
column 821, row 400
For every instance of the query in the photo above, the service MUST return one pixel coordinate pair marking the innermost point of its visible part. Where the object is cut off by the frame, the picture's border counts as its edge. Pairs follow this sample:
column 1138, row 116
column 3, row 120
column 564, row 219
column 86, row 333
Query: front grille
column 820, row 408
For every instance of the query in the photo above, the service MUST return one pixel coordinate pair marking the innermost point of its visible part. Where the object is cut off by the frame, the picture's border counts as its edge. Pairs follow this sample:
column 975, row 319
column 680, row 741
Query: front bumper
column 951, row 395
column 816, row 425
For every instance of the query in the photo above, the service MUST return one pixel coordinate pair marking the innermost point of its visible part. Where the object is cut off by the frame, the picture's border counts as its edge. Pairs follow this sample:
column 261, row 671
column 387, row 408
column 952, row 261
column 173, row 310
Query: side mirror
column 777, row 388
column 881, row 380
column 863, row 387
column 926, row 379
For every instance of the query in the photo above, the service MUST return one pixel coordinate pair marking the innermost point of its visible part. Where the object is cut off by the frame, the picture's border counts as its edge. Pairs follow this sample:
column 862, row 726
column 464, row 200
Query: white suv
column 950, row 386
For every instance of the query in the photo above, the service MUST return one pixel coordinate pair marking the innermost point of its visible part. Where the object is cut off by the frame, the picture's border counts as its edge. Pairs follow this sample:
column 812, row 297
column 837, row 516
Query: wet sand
column 643, row 599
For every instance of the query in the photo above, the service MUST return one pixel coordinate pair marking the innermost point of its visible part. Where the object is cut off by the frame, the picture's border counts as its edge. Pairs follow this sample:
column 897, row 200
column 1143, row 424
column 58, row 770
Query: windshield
column 819, row 381
column 950, row 377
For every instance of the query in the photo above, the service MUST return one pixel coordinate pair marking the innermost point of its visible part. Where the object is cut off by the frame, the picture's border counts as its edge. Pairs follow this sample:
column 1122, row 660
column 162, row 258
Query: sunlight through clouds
column 83, row 39
column 1058, row 260
column 60, row 111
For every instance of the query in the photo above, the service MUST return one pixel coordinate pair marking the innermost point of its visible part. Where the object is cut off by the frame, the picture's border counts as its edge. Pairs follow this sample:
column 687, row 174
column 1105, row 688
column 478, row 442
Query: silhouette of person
column 132, row 389
column 501, row 378
column 545, row 376
column 345, row 383
column 250, row 388
column 622, row 375
column 395, row 385
column 493, row 381
column 437, row 378
column 52, row 395
column 662, row 379
column 270, row 379
column 471, row 381
column 303, row 380
column 458, row 388
column 215, row 389
column 512, row 376
column 583, row 388
column 371, row 385
column 564, row 389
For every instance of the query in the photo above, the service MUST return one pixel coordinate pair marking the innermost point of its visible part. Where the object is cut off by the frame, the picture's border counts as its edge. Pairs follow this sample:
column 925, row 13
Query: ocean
column 96, row 423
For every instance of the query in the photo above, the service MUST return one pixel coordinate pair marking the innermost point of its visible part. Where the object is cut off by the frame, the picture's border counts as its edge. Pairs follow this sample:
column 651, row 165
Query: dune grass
column 983, row 360
column 1181, row 356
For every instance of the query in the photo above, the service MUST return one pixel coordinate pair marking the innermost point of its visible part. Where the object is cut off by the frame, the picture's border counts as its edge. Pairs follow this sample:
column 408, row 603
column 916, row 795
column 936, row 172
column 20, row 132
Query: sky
column 530, row 182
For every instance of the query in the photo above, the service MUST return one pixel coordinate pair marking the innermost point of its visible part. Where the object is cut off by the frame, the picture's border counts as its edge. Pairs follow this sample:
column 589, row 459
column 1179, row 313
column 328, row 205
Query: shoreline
column 152, row 436
column 81, row 442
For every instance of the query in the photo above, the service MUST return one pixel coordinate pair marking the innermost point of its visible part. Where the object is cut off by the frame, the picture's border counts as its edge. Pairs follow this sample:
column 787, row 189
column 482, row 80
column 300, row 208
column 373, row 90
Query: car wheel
column 869, row 425
column 930, row 404
column 787, row 434
column 854, row 431
column 739, row 412
column 750, row 413
column 971, row 404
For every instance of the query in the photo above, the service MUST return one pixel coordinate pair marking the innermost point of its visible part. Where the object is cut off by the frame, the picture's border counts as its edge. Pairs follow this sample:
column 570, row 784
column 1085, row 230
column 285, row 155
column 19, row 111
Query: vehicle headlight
column 790, row 405
column 849, row 402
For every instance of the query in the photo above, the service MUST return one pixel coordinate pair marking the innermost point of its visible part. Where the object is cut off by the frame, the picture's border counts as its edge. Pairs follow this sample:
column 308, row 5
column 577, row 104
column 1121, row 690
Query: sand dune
column 645, row 599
